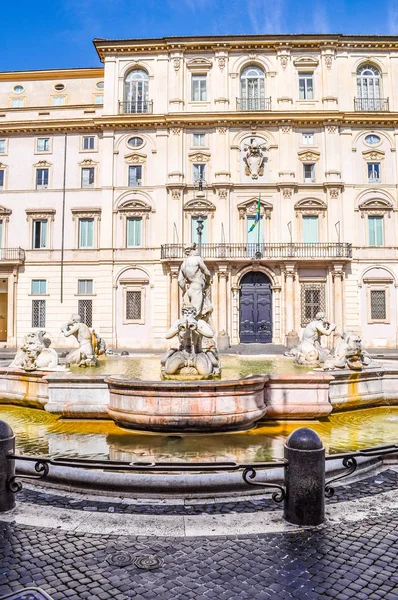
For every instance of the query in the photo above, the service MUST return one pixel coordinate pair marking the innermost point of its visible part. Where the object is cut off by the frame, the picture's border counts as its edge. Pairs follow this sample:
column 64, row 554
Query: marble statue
column 35, row 353
column 349, row 354
column 254, row 159
column 310, row 351
column 196, row 356
column 84, row 356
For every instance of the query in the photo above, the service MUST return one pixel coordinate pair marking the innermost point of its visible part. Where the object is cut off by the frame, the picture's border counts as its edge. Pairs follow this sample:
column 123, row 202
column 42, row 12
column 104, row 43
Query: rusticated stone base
column 187, row 406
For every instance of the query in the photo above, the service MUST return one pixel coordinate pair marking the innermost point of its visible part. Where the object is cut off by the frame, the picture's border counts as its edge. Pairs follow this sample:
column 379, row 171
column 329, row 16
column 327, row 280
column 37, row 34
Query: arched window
column 252, row 89
column 136, row 92
column 368, row 88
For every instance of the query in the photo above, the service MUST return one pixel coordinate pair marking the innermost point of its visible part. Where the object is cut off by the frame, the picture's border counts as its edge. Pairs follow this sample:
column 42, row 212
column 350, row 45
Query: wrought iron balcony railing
column 371, row 104
column 253, row 103
column 12, row 255
column 136, row 106
column 228, row 251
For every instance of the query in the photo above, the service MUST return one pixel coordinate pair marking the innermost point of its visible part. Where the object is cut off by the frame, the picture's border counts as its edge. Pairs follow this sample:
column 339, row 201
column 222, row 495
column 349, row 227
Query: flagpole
column 259, row 225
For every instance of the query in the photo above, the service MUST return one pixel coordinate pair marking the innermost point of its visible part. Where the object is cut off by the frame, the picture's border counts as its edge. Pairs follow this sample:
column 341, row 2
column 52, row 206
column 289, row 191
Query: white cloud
column 266, row 17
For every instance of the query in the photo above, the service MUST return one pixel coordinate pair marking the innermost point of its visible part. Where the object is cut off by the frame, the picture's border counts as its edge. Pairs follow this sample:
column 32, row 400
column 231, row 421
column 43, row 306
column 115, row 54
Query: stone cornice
column 245, row 43
column 49, row 74
column 232, row 119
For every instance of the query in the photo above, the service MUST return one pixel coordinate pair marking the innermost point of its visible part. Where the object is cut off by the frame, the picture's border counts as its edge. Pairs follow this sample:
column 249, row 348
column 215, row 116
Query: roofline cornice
column 50, row 74
column 247, row 42
column 128, row 122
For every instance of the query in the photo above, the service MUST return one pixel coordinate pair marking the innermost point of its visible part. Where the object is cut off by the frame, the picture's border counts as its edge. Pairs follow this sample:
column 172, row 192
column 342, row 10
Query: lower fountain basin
column 186, row 406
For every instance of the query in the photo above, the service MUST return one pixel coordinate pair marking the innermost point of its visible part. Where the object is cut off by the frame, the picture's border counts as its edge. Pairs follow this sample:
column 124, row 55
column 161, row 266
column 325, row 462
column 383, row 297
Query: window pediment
column 88, row 162
column 373, row 154
column 310, row 206
column 249, row 208
column 309, row 155
column 196, row 207
column 199, row 157
column 135, row 208
column 136, row 158
column 199, row 64
column 42, row 164
column 5, row 213
column 307, row 62
column 375, row 207
column 3, row 166
column 86, row 212
column 40, row 213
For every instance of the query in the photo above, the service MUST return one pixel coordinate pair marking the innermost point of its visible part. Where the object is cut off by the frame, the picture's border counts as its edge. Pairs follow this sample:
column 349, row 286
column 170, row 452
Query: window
column 86, row 233
column 88, row 142
column 17, row 102
column 312, row 301
column 41, row 179
column 18, row 89
column 39, row 286
column 40, row 228
column 85, row 310
column 373, row 172
column 199, row 85
column 135, row 175
column 135, row 142
column 43, row 145
column 199, row 172
column 88, row 177
column 310, row 230
column 38, row 313
column 2, row 179
column 306, row 86
column 1, row 232
column 99, row 85
column 133, row 305
column 199, row 139
column 133, row 232
column 85, row 287
column 3, row 146
column 136, row 92
column 375, row 225
column 59, row 87
column 194, row 230
column 372, row 139
column 58, row 100
column 252, row 89
column 368, row 88
column 309, row 172
column 98, row 98
column 307, row 138
column 255, row 236
column 378, row 305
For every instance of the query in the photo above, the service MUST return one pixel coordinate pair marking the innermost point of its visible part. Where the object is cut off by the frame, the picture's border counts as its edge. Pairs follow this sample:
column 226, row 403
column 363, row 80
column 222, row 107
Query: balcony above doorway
column 136, row 107
column 12, row 256
column 253, row 104
column 300, row 251
column 371, row 104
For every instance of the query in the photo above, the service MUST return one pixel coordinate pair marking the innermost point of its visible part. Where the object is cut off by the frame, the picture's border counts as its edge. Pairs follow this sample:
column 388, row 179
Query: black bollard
column 304, row 478
column 7, row 467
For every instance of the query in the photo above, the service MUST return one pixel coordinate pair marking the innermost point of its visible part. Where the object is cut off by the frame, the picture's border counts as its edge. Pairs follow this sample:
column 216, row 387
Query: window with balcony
column 307, row 138
column 309, row 172
column 199, row 139
column 42, row 179
column 198, row 172
column 199, row 88
column 135, row 175
column 88, row 142
column 306, row 86
column 310, row 229
column 38, row 313
column 133, row 232
column 39, row 286
column 88, row 174
column 40, row 234
column 194, row 230
column 373, row 172
column 369, row 89
column 85, row 287
column 375, row 226
column 252, row 89
column 136, row 92
column 86, row 233
column 2, row 179
column 43, row 145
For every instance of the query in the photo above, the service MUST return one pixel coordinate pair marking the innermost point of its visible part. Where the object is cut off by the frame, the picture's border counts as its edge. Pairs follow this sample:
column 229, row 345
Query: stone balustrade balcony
column 269, row 251
column 253, row 104
column 371, row 104
column 14, row 256
column 136, row 107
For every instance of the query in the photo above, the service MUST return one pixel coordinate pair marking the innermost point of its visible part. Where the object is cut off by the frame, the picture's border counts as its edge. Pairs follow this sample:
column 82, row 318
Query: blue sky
column 58, row 33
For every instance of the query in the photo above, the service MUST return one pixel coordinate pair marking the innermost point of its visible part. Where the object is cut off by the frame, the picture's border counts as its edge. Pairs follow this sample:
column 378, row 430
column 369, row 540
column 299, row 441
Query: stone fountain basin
column 186, row 406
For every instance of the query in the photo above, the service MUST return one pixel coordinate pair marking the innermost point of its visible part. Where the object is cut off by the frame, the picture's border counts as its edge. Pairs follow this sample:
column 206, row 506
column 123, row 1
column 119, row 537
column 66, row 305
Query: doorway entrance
column 3, row 316
column 255, row 318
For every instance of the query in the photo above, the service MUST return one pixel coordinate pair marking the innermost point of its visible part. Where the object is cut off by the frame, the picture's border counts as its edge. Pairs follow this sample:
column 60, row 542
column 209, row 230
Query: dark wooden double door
column 255, row 308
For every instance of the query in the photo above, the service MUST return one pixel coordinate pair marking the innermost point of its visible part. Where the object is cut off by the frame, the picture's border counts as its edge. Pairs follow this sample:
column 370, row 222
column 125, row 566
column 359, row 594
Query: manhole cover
column 120, row 559
column 28, row 594
column 148, row 562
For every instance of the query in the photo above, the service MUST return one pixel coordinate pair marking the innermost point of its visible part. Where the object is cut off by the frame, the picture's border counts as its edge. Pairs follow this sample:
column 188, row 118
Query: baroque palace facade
column 106, row 173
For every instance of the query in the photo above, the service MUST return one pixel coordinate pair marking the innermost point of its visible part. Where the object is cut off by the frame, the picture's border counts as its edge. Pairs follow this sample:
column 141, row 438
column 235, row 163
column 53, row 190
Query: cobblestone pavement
column 358, row 560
